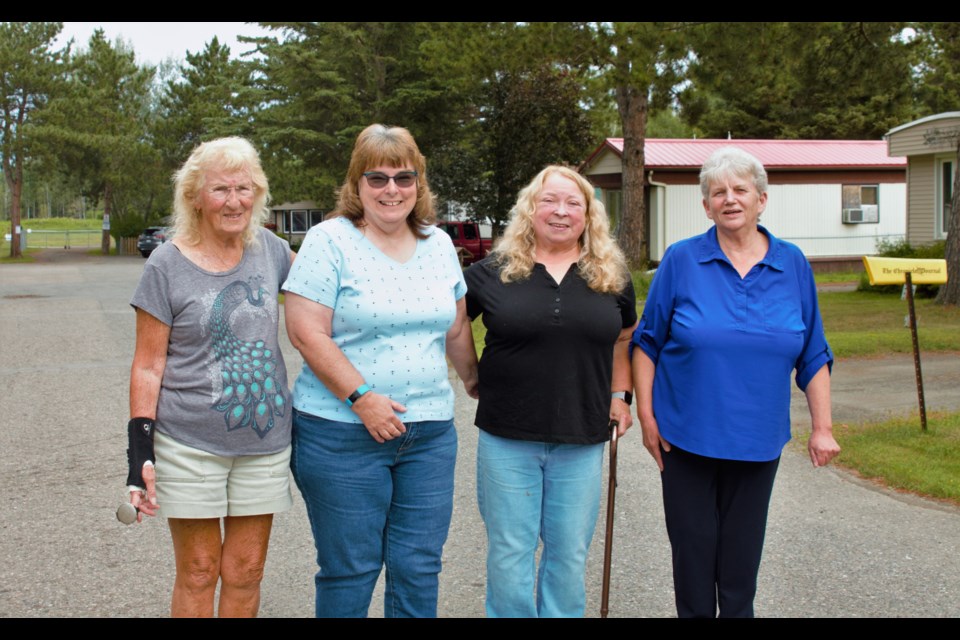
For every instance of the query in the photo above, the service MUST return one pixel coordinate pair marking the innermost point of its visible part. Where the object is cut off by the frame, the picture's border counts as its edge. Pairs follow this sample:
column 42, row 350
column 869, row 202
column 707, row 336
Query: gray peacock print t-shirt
column 224, row 388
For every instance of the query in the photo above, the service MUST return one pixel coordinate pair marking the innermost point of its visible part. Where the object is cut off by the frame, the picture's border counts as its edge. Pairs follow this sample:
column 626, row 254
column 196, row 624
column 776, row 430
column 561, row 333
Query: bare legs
column 204, row 558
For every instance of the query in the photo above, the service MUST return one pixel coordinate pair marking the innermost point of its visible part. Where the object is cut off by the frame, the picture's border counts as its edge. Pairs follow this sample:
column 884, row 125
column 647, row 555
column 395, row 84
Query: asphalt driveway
column 836, row 547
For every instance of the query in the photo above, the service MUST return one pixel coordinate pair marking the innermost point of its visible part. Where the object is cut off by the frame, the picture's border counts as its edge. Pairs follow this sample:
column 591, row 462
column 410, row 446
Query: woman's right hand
column 379, row 415
column 145, row 502
column 652, row 440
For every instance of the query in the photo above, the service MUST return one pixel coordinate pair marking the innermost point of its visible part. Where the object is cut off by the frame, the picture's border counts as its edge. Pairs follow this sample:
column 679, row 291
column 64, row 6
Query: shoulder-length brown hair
column 377, row 146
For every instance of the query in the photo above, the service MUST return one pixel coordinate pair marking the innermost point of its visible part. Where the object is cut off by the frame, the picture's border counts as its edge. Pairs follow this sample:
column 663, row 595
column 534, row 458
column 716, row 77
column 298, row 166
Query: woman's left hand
column 620, row 412
column 822, row 447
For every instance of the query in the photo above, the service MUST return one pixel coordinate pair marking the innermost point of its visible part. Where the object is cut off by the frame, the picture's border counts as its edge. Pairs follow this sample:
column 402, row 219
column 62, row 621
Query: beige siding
column 607, row 162
column 927, row 137
column 921, row 199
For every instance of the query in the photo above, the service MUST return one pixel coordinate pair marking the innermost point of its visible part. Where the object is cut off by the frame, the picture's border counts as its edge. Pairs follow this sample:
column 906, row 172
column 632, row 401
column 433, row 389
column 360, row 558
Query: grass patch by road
column 860, row 324
column 837, row 277
column 899, row 455
column 26, row 258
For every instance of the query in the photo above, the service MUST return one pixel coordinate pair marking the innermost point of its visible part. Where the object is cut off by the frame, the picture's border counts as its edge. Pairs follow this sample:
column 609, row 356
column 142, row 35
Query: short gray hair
column 732, row 161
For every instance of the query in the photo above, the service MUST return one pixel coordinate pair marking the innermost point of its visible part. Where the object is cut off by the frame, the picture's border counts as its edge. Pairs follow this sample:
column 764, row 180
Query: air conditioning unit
column 865, row 213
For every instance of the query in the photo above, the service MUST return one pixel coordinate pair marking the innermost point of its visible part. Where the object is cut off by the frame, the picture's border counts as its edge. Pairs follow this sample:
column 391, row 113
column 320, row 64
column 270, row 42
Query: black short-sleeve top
column 548, row 356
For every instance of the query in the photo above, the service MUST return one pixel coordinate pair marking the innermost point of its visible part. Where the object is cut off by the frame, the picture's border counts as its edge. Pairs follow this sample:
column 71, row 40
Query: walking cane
column 608, row 538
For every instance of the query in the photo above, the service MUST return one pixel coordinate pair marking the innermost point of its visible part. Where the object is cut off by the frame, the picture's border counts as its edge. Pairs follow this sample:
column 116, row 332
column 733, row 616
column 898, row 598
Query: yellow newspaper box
column 909, row 271
column 894, row 270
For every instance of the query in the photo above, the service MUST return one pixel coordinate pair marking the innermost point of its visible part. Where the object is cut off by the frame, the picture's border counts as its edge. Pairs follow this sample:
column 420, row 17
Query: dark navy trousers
column 716, row 516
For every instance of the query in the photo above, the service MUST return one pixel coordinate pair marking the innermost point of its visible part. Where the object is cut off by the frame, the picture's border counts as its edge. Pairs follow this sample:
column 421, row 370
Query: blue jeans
column 374, row 505
column 531, row 491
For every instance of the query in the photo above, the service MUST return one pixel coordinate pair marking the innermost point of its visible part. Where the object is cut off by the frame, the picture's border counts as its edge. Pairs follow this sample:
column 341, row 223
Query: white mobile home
column 835, row 199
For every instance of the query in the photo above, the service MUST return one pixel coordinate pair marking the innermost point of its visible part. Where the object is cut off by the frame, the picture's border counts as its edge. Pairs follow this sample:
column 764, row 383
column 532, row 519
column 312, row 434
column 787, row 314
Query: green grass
column 899, row 455
column 26, row 258
column 53, row 224
column 46, row 224
column 864, row 324
column 852, row 277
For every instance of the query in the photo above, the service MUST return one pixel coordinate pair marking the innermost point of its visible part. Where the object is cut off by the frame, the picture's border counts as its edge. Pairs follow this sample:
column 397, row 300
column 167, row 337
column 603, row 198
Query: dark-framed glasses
column 378, row 180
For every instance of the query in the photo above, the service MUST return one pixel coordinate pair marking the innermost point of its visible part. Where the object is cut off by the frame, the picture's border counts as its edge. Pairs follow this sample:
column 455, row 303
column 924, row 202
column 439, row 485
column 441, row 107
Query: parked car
column 468, row 239
column 151, row 238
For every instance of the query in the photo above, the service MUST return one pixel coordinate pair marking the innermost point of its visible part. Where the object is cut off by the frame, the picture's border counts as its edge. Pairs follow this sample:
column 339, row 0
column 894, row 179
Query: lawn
column 898, row 454
column 861, row 323
column 41, row 239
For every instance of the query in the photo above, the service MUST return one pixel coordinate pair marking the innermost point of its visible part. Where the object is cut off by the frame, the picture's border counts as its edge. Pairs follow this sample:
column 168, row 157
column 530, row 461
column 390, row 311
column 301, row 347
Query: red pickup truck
column 467, row 239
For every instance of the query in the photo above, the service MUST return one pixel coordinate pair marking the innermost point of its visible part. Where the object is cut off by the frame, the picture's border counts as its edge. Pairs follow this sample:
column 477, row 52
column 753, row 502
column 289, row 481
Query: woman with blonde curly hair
column 558, row 304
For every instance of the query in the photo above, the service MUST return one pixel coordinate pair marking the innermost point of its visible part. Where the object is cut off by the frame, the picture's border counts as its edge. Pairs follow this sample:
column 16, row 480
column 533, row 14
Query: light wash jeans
column 531, row 491
column 373, row 505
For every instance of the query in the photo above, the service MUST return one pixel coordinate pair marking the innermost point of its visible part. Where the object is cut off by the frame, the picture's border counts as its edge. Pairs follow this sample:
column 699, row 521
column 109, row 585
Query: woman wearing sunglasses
column 375, row 301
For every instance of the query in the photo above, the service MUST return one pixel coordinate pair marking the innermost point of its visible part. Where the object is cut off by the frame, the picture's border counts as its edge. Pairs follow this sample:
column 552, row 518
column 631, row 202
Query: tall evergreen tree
column 203, row 100
column 792, row 80
column 320, row 84
column 99, row 129
column 30, row 74
column 641, row 63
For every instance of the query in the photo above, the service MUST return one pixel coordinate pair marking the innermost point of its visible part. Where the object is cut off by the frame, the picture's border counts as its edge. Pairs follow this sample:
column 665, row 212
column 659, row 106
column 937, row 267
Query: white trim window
column 300, row 221
column 944, row 193
column 860, row 203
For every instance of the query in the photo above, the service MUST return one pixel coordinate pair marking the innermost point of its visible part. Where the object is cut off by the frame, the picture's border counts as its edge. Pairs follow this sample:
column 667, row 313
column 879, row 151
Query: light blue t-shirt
column 389, row 319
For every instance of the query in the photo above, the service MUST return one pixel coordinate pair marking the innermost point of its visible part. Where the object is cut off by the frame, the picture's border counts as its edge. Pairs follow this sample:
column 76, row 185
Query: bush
column 126, row 226
column 903, row 249
column 641, row 283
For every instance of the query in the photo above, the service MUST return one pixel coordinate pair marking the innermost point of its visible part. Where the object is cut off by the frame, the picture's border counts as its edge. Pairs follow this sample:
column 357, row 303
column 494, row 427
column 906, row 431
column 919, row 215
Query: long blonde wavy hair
column 601, row 261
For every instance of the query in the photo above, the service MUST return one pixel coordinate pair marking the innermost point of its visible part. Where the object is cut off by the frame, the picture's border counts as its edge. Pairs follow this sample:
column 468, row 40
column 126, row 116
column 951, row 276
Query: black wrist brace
column 139, row 449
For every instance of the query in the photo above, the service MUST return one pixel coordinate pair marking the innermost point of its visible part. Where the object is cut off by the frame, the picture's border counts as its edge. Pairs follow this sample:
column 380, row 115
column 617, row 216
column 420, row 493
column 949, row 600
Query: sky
column 153, row 42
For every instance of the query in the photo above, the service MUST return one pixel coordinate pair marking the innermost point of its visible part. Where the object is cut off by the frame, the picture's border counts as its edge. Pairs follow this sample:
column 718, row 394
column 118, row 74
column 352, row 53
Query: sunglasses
column 378, row 180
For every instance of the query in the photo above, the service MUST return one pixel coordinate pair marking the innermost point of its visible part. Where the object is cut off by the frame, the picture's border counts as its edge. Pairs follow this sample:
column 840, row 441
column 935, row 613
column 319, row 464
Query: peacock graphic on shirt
column 250, row 396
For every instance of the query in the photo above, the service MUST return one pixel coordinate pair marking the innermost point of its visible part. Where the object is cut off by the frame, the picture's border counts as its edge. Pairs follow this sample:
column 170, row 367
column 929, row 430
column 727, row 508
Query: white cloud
column 154, row 42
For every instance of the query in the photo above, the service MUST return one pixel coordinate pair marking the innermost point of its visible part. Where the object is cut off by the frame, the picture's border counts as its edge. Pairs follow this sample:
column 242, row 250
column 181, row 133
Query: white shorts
column 195, row 484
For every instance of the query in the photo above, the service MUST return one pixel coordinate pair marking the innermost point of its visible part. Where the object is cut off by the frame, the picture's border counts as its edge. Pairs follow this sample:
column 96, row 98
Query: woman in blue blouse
column 730, row 315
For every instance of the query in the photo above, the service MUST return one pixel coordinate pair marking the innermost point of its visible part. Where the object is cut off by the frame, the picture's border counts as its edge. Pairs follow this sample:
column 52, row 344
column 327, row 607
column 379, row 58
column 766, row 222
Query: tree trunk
column 105, row 237
column 16, row 189
column 632, row 235
column 950, row 291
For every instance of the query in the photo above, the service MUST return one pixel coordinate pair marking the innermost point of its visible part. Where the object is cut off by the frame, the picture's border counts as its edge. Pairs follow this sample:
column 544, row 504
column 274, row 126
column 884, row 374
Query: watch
column 353, row 397
column 626, row 396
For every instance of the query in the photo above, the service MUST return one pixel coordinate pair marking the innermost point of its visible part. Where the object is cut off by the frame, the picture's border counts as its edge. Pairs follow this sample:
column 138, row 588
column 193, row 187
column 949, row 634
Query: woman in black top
column 559, row 308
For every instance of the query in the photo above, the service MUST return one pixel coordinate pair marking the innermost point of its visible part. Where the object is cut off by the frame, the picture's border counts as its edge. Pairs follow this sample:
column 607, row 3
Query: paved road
column 836, row 547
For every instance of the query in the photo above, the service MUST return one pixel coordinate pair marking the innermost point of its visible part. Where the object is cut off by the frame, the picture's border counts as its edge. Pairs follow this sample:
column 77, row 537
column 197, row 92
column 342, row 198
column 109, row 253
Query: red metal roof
column 663, row 153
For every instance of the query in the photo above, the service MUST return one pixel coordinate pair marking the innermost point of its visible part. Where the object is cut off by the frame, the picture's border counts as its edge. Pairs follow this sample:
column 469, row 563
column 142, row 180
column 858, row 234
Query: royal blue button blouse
column 725, row 347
